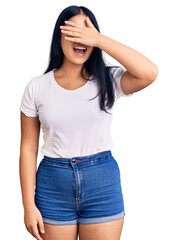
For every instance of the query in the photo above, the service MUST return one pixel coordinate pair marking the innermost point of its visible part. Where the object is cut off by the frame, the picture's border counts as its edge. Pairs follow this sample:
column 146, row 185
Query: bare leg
column 60, row 232
column 101, row 231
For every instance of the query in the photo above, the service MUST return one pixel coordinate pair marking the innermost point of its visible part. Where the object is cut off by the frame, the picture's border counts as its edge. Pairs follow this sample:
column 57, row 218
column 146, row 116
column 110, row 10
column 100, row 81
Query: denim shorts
column 83, row 189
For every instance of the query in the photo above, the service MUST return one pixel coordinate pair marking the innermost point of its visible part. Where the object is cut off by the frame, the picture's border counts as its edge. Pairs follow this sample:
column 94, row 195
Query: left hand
column 85, row 35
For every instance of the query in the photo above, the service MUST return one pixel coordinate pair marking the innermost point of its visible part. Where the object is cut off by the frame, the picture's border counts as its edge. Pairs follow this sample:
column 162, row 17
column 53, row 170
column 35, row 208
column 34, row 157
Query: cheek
column 66, row 46
column 63, row 40
column 90, row 51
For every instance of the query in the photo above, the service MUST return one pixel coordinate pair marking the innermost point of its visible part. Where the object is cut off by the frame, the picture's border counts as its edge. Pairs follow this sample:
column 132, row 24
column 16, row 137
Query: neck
column 68, row 67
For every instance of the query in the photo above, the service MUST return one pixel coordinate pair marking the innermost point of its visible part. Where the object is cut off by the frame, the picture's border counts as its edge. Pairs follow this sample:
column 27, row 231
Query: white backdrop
column 144, row 125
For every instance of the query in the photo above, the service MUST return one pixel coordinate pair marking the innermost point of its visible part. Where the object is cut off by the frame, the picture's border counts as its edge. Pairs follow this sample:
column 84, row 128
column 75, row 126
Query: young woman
column 77, row 184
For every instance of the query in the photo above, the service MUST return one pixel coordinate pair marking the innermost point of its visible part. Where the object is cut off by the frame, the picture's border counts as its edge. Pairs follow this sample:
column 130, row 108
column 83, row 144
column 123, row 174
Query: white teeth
column 80, row 48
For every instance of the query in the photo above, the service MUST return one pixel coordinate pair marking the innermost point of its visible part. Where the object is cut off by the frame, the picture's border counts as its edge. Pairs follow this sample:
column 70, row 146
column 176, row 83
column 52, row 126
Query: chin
column 78, row 61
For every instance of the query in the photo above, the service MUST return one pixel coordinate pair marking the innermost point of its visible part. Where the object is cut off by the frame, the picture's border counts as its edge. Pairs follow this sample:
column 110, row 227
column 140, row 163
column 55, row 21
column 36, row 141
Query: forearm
column 27, row 168
column 135, row 63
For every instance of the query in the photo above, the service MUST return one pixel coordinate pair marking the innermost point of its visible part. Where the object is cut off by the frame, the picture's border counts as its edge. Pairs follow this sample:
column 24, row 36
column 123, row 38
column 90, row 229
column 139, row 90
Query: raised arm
column 140, row 73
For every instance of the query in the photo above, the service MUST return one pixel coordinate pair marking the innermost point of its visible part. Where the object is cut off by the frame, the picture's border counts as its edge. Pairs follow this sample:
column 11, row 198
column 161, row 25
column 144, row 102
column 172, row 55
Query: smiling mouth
column 80, row 51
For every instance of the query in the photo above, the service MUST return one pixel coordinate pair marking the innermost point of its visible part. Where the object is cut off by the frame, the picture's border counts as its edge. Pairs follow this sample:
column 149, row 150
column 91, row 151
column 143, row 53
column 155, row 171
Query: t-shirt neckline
column 64, row 89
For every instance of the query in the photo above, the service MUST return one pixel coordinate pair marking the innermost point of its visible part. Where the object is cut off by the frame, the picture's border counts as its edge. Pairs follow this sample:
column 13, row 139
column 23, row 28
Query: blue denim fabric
column 83, row 189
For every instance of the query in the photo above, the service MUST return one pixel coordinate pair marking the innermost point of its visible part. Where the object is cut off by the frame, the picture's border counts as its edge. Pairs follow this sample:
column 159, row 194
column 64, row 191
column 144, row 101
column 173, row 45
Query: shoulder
column 40, row 78
column 38, row 81
column 115, row 71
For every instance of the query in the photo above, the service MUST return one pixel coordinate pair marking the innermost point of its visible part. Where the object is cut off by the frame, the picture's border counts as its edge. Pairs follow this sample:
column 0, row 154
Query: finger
column 41, row 226
column 70, row 28
column 71, row 33
column 89, row 23
column 73, row 24
column 72, row 39
column 29, row 230
column 36, row 233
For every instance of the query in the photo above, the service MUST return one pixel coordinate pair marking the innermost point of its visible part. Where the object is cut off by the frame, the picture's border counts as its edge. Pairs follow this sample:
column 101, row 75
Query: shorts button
column 73, row 160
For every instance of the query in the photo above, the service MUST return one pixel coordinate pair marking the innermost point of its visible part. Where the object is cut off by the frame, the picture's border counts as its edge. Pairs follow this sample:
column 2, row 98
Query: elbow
column 154, row 73
column 151, row 75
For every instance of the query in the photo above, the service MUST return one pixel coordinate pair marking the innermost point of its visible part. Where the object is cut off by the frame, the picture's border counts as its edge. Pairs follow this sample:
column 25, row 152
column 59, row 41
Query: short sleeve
column 117, row 73
column 28, row 104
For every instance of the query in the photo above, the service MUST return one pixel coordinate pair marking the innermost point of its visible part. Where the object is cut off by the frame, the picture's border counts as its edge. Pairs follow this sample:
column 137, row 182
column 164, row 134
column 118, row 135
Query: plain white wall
column 144, row 125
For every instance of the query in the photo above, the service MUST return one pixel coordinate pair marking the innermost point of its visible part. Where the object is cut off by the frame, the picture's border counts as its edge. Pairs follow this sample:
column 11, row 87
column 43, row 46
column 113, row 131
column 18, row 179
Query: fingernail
column 42, row 231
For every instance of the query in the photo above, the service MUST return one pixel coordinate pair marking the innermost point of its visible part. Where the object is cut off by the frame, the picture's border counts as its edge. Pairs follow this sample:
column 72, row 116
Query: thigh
column 60, row 232
column 103, row 199
column 101, row 231
column 55, row 193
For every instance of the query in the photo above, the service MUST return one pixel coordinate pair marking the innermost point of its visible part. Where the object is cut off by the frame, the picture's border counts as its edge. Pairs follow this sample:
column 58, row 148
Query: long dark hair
column 95, row 65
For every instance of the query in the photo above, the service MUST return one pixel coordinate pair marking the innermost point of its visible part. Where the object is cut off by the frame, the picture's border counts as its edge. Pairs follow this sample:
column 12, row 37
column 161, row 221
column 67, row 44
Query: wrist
column 28, row 204
column 29, row 207
column 101, row 39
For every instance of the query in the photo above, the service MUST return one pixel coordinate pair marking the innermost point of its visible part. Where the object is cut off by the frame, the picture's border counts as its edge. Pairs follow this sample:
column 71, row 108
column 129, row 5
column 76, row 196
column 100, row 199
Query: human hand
column 33, row 218
column 85, row 35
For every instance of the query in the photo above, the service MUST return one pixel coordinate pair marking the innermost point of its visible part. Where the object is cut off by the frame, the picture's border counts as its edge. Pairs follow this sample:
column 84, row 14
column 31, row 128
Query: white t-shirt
column 71, row 124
